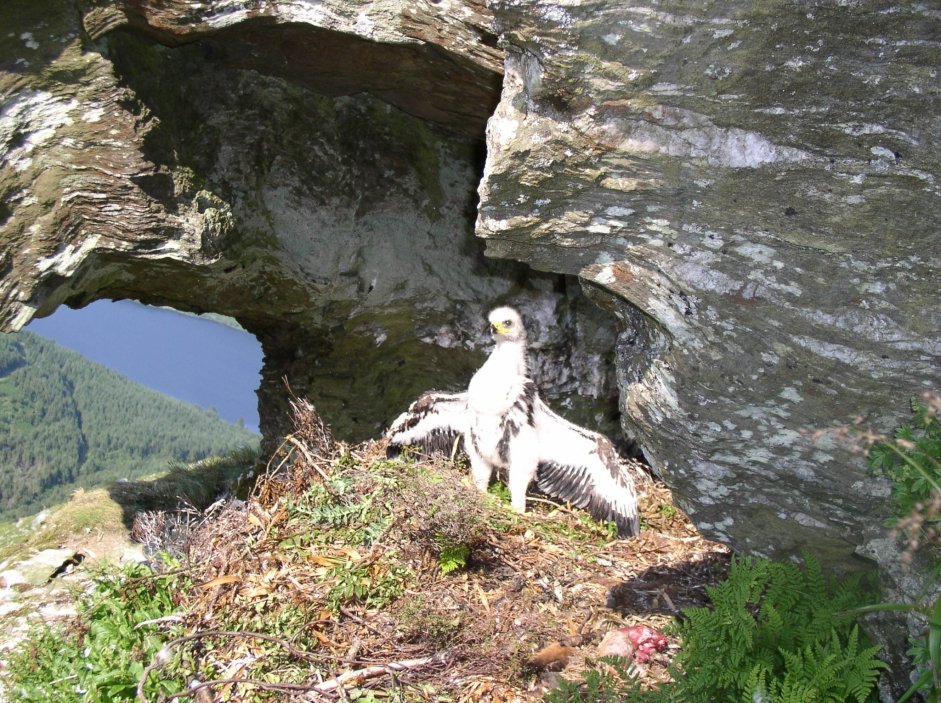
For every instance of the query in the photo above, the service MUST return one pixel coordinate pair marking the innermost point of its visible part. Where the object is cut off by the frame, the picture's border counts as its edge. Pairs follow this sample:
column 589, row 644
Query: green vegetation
column 339, row 559
column 453, row 558
column 87, row 514
column 353, row 582
column 106, row 514
column 774, row 633
column 925, row 652
column 66, row 422
column 197, row 484
column 777, row 634
column 912, row 461
column 120, row 625
column 341, row 551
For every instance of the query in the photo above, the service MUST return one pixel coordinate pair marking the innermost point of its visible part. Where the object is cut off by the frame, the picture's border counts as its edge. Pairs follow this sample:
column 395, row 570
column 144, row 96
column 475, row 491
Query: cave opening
column 334, row 219
column 207, row 361
column 119, row 392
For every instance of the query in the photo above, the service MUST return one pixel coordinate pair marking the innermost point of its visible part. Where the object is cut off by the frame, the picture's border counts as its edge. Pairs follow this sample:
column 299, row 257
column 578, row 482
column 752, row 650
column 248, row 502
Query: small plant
column 775, row 634
column 375, row 586
column 452, row 558
column 500, row 490
column 775, row 627
column 912, row 461
column 102, row 655
column 445, row 515
column 609, row 683
column 926, row 653
column 425, row 619
column 927, row 656
column 342, row 511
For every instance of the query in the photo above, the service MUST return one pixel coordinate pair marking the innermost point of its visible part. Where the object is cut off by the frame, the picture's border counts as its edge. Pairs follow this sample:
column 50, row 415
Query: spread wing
column 583, row 468
column 432, row 424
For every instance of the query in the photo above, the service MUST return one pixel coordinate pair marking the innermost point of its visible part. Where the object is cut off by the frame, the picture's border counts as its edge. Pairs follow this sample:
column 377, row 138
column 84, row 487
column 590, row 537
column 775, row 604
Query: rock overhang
column 751, row 191
column 647, row 152
column 302, row 203
column 440, row 66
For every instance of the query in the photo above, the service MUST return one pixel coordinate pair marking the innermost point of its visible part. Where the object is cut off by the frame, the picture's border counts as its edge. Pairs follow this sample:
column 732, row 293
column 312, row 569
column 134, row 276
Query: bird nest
column 345, row 572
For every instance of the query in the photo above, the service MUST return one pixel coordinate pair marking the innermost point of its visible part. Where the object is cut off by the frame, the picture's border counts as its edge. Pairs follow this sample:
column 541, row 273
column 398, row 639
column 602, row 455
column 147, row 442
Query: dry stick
column 268, row 472
column 150, row 577
column 335, row 684
column 500, row 557
column 558, row 506
column 669, row 601
column 310, row 460
column 352, row 652
column 173, row 617
column 581, row 628
column 360, row 675
column 163, row 656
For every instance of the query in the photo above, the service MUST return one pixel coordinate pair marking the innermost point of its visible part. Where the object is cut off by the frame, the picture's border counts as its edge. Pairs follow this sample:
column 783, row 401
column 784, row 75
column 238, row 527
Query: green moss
column 361, row 385
column 50, row 23
column 413, row 146
column 86, row 512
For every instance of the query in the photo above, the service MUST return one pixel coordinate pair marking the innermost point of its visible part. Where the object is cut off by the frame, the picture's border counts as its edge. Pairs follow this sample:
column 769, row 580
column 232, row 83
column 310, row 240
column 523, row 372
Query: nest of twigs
column 345, row 570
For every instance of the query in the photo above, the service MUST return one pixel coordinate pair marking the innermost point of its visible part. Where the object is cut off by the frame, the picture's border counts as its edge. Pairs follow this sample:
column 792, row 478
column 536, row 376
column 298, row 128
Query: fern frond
column 816, row 583
column 862, row 667
column 776, row 633
column 756, row 686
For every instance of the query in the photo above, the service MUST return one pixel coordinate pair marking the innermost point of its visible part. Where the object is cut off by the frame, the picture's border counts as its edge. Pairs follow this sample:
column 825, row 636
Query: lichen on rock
column 753, row 186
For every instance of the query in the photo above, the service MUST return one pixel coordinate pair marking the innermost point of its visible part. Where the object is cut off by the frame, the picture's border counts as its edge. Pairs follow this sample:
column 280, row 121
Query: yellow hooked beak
column 499, row 328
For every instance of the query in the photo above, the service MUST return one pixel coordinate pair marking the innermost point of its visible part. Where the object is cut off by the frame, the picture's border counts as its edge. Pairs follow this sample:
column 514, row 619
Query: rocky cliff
column 310, row 173
column 749, row 189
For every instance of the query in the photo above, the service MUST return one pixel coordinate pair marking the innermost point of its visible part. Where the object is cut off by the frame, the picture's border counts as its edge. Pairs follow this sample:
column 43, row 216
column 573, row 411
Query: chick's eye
column 507, row 323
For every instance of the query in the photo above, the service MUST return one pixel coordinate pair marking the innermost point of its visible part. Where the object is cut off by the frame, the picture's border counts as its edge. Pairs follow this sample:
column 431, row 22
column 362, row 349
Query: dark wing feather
column 583, row 468
column 432, row 424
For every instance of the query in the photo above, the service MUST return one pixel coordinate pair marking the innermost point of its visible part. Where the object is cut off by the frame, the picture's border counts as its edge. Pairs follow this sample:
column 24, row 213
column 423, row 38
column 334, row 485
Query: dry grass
column 89, row 518
column 328, row 581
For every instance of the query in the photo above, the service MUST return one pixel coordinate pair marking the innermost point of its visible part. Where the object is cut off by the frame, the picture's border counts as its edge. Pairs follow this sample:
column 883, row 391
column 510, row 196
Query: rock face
column 751, row 189
column 310, row 173
column 755, row 186
column 761, row 186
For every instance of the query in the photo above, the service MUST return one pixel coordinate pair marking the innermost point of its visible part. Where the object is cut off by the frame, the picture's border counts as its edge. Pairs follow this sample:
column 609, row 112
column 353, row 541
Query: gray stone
column 755, row 186
column 38, row 569
column 11, row 579
column 335, row 227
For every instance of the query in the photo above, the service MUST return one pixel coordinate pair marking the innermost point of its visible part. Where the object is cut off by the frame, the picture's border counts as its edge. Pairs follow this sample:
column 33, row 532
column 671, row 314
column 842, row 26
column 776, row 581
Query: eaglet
column 506, row 426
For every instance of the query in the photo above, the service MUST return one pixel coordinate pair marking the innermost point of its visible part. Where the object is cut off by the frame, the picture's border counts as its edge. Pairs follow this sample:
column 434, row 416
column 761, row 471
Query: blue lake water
column 203, row 362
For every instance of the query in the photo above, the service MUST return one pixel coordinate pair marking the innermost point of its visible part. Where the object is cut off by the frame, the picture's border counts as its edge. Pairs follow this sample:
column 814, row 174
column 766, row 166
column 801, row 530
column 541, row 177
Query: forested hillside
column 67, row 422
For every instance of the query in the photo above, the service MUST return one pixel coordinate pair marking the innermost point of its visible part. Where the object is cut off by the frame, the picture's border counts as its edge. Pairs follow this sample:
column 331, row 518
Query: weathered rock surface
column 193, row 155
column 751, row 188
column 434, row 60
column 756, row 188
column 39, row 569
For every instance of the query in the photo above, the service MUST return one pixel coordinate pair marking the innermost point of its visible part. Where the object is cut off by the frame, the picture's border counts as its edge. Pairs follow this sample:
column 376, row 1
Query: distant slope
column 187, row 357
column 67, row 422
